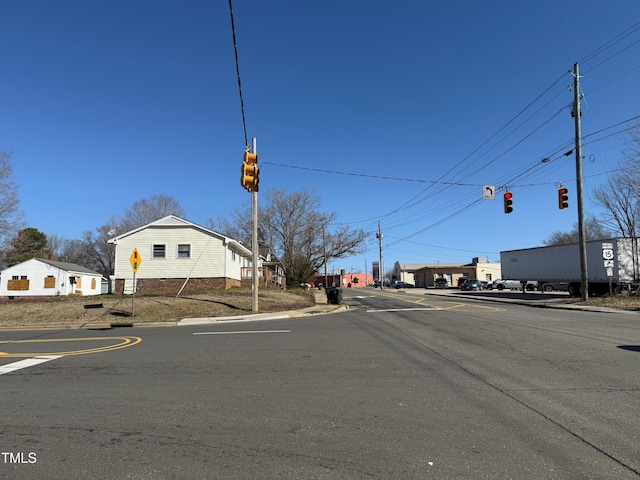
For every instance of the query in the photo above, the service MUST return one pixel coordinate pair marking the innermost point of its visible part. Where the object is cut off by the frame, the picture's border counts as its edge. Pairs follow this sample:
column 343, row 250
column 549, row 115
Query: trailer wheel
column 500, row 287
column 574, row 289
column 548, row 287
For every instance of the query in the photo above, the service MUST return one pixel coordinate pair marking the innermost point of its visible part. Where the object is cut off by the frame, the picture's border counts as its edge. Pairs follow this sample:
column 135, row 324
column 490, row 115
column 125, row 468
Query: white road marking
column 29, row 362
column 242, row 331
column 403, row 309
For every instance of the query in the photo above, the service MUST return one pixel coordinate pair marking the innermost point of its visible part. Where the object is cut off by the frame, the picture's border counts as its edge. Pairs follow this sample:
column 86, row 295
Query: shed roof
column 66, row 266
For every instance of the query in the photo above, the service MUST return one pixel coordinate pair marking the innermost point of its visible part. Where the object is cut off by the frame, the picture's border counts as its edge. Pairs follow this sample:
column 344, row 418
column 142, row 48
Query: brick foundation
column 171, row 286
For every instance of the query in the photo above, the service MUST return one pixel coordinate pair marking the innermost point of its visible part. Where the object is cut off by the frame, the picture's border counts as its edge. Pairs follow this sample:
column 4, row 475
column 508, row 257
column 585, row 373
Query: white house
column 177, row 256
column 40, row 276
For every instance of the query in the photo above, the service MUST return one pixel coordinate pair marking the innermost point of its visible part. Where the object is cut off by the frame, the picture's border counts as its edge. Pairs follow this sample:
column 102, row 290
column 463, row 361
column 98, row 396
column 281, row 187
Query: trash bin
column 330, row 291
column 334, row 296
column 338, row 296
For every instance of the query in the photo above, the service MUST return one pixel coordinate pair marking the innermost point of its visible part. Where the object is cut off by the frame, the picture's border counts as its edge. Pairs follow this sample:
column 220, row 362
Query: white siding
column 210, row 258
column 37, row 271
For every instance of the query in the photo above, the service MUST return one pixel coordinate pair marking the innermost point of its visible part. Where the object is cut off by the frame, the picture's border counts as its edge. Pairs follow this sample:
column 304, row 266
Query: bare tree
column 149, row 210
column 96, row 252
column 55, row 244
column 238, row 227
column 594, row 230
column 11, row 218
column 301, row 236
column 620, row 196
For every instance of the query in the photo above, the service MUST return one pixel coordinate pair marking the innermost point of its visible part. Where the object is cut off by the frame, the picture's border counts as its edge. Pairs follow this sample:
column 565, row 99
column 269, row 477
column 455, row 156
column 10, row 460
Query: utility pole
column 324, row 247
column 379, row 237
column 576, row 112
column 254, row 244
column 366, row 274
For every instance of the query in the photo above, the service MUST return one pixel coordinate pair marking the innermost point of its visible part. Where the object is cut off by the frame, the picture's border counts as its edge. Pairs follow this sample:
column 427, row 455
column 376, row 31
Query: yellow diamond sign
column 135, row 260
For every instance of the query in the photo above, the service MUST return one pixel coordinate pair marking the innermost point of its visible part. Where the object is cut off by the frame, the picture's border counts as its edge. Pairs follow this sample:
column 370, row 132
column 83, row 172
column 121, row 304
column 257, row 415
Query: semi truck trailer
column 612, row 265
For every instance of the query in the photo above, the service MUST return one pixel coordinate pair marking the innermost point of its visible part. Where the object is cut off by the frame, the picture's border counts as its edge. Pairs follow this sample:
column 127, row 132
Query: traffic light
column 250, row 176
column 508, row 202
column 250, row 173
column 563, row 198
column 249, row 157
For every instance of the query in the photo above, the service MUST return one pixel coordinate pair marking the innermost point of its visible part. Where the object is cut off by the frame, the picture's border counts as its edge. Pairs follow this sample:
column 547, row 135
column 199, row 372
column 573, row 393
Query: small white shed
column 40, row 277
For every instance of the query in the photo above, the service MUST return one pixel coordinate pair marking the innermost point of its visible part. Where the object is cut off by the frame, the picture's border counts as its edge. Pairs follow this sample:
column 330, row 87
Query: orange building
column 345, row 280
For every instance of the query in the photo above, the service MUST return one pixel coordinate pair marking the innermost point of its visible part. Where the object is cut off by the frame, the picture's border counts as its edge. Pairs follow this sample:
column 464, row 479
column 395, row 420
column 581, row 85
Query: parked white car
column 514, row 285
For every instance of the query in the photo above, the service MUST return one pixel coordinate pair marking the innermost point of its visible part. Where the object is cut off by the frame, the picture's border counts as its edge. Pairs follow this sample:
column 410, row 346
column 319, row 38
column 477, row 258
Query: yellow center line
column 124, row 342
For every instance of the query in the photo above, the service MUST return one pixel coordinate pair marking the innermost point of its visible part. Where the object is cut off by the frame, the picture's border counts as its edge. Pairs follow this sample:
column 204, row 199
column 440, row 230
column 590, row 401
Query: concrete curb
column 237, row 318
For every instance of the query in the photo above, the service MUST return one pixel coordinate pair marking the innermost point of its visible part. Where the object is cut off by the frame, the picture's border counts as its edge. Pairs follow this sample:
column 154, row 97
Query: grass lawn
column 72, row 311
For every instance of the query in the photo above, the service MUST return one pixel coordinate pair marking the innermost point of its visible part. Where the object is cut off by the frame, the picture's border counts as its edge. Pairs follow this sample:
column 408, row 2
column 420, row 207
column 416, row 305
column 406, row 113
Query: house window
column 184, row 250
column 50, row 281
column 159, row 251
column 233, row 256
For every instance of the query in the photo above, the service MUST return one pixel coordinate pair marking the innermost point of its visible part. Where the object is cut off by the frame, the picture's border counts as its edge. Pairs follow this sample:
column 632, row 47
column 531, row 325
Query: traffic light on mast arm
column 563, row 198
column 250, row 173
column 508, row 202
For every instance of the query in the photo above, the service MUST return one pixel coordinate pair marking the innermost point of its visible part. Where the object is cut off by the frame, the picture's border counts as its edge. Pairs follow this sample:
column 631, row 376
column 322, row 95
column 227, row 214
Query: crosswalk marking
column 29, row 362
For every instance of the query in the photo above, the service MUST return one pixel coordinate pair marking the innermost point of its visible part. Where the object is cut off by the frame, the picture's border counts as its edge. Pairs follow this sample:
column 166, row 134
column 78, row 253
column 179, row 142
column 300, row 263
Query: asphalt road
column 402, row 385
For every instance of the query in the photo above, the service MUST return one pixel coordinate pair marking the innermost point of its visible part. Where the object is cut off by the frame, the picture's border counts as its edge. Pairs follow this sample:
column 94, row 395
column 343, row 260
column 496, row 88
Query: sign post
column 135, row 263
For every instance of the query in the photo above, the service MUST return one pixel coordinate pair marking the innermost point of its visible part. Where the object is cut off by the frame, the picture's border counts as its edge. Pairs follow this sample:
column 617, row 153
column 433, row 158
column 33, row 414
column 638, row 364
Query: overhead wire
column 531, row 169
column 235, row 49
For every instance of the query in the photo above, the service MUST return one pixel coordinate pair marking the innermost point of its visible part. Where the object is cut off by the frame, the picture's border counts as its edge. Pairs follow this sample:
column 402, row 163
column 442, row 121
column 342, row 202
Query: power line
column 557, row 152
column 618, row 38
column 235, row 49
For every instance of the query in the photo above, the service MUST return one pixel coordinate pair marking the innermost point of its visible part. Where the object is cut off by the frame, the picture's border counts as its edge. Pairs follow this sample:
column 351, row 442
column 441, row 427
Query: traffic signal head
column 251, row 158
column 563, row 198
column 250, row 176
column 508, row 202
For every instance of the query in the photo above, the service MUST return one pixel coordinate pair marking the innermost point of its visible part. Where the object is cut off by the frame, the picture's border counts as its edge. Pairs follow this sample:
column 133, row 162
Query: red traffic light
column 508, row 202
column 563, row 198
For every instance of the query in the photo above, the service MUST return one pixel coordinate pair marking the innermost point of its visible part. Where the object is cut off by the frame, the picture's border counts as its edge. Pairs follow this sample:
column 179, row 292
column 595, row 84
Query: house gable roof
column 66, row 266
column 174, row 221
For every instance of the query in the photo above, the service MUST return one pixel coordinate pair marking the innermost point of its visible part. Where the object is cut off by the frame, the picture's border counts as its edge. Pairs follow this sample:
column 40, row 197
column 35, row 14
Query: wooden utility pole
column 576, row 112
column 380, row 274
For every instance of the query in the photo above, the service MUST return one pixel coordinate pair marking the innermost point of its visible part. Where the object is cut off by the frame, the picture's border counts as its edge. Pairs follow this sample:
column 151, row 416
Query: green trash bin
column 334, row 296
column 330, row 292
column 338, row 296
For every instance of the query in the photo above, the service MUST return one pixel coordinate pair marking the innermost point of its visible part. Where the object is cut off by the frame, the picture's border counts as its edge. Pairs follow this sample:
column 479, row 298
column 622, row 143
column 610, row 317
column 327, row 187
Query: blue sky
column 392, row 111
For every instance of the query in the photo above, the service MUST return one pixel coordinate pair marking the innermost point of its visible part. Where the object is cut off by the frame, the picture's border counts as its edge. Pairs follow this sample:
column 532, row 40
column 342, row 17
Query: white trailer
column 612, row 264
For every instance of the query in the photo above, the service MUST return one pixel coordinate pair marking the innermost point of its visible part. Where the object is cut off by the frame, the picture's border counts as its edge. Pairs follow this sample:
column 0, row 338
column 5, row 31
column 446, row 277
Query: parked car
column 441, row 282
column 403, row 285
column 472, row 284
column 514, row 285
column 555, row 287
